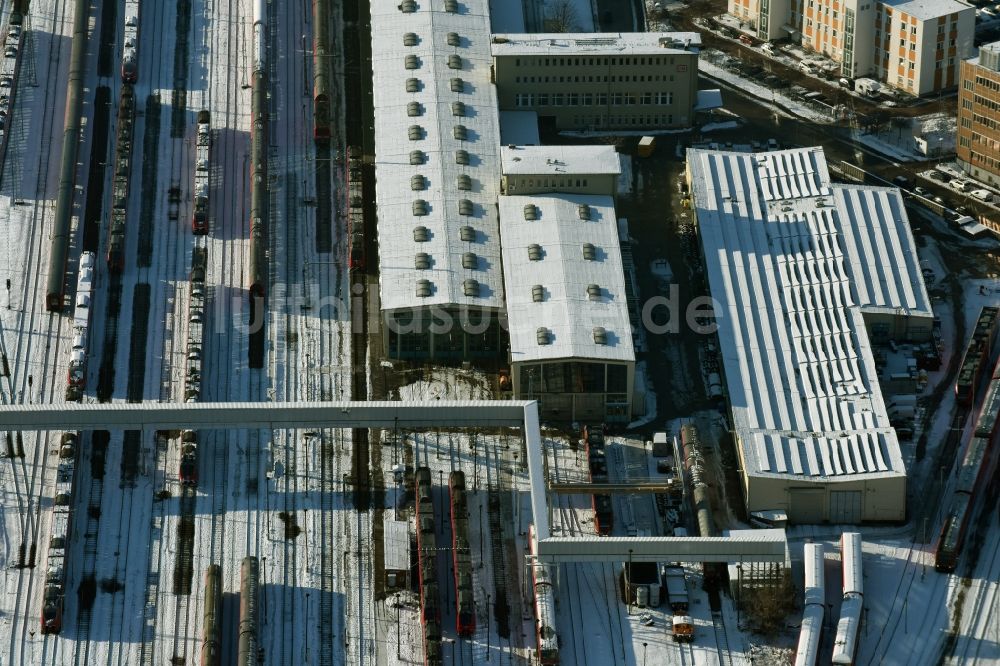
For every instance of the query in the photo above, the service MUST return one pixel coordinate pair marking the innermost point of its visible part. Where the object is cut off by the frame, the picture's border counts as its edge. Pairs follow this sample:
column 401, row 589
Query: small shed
column 396, row 544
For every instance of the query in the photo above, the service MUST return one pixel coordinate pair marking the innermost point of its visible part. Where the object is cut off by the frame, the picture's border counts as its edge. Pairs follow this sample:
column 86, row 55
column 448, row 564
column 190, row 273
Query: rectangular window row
column 527, row 100
column 987, row 83
column 630, row 61
column 636, row 78
column 988, row 103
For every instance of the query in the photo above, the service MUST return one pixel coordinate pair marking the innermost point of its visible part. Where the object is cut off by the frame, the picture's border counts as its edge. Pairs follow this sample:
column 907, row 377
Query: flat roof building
column 437, row 173
column 796, row 265
column 619, row 81
column 979, row 115
column 570, row 334
column 576, row 169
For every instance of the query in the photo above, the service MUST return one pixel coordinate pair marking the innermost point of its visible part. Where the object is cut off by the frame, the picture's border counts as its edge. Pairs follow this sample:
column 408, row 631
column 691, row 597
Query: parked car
column 920, row 191
column 960, row 185
column 982, row 195
column 901, row 181
column 940, row 176
column 769, row 49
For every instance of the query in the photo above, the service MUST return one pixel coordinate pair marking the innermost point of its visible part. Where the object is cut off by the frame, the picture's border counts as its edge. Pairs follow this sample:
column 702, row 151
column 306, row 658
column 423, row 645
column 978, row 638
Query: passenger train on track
column 972, row 479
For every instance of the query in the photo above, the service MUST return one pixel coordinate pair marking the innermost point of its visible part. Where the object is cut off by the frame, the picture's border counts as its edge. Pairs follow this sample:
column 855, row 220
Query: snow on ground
column 709, row 64
column 625, row 177
column 442, row 383
column 35, row 345
column 717, row 127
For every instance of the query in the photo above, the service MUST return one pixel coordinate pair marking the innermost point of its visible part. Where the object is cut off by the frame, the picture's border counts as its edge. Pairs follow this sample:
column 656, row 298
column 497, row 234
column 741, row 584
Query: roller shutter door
column 845, row 506
column 805, row 505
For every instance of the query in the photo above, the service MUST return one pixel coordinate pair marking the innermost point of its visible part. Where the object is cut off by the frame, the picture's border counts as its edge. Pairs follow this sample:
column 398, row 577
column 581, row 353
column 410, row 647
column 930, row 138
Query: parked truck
column 675, row 582
column 869, row 87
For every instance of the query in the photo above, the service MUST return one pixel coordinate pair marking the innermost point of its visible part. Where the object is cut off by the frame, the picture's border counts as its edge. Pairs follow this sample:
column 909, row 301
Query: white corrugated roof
column 879, row 229
column 559, row 160
column 395, row 198
column 566, row 311
column 793, row 262
column 571, row 43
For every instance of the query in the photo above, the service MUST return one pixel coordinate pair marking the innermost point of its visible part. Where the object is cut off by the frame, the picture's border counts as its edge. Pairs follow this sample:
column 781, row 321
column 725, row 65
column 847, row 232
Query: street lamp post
column 644, row 653
column 489, row 618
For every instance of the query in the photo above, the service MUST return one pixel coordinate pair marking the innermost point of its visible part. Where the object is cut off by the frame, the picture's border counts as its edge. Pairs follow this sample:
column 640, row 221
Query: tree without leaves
column 561, row 17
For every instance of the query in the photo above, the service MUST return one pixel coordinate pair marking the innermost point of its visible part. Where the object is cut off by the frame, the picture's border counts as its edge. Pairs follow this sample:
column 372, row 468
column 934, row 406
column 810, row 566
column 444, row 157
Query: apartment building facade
column 921, row 43
column 978, row 144
column 915, row 46
column 615, row 81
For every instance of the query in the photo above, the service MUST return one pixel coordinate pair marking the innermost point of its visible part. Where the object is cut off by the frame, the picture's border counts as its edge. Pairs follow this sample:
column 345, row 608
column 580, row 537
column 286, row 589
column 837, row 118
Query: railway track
column 721, row 639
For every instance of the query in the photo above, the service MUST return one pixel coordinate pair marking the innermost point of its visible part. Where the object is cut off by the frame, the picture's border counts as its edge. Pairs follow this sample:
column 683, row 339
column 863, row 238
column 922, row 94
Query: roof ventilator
column 423, row 288
column 462, row 157
column 417, row 157
column 542, row 336
column 467, row 234
column 593, row 292
column 419, row 207
column 470, row 261
column 418, row 182
column 457, row 85
column 421, row 234
column 465, row 207
column 412, row 85
column 538, row 293
column 454, row 39
column 454, row 61
column 583, row 210
column 460, row 133
column 410, row 39
column 408, row 6
column 463, row 182
column 414, row 109
column 470, row 287
column 530, row 212
column 458, row 108
column 421, row 261
column 416, row 132
column 411, row 62
column 589, row 252
column 535, row 252
column 600, row 335
column 451, row 6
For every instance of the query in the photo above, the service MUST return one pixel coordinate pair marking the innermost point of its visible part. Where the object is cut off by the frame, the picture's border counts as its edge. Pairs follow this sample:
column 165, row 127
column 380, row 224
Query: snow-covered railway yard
column 143, row 534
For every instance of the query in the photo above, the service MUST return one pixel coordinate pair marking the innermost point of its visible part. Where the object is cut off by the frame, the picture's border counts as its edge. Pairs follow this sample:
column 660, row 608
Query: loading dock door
column 845, row 506
column 805, row 505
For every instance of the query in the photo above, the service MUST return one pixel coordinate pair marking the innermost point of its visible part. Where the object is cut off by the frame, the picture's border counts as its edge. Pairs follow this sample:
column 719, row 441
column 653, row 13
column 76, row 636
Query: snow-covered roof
column 519, row 127
column 435, row 108
column 559, row 160
column 396, row 542
column 567, row 314
column 923, row 10
column 793, row 262
column 605, row 43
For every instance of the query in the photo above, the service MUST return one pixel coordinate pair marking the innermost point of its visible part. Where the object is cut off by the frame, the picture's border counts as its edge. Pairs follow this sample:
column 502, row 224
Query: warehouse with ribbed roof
column 796, row 265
